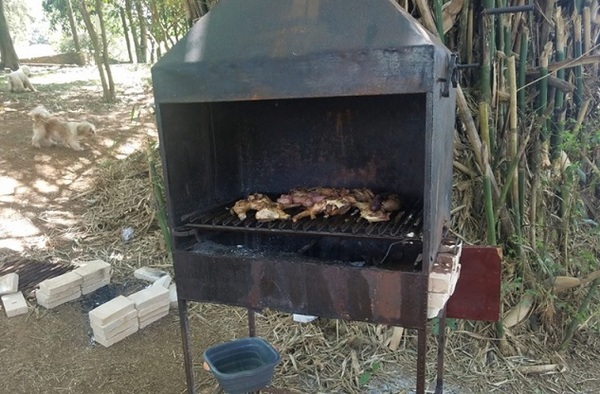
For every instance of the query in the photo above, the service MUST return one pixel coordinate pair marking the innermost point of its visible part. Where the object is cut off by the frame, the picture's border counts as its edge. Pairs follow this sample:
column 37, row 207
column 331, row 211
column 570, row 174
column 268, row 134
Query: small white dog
column 49, row 130
column 18, row 81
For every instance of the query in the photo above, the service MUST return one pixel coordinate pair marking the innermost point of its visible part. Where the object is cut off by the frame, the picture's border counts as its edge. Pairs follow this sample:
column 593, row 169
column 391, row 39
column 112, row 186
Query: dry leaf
column 450, row 12
column 564, row 283
column 518, row 312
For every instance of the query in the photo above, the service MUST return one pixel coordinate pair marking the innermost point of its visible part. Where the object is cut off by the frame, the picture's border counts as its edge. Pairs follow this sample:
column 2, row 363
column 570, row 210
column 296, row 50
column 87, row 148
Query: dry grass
column 333, row 355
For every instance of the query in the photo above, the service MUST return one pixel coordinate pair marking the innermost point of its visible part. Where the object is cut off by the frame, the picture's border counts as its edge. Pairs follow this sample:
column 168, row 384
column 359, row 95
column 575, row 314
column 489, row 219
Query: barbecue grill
column 263, row 96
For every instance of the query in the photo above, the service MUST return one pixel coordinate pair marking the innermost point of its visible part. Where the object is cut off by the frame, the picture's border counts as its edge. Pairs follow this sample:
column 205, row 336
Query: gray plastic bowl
column 242, row 365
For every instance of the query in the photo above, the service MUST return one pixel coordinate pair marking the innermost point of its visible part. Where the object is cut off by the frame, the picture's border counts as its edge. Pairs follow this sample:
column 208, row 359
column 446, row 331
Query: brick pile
column 13, row 301
column 86, row 278
column 443, row 277
column 122, row 316
column 114, row 321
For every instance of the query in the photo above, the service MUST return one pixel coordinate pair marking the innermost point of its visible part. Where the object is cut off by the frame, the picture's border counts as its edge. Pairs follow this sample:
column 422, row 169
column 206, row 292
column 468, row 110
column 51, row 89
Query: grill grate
column 406, row 224
column 32, row 272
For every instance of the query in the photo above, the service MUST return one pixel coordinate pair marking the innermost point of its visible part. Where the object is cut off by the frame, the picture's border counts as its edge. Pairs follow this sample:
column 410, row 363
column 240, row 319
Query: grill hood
column 275, row 49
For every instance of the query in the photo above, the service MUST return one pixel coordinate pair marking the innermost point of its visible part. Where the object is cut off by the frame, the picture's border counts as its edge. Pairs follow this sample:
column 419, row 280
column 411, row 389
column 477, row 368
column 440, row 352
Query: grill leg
column 421, row 358
column 251, row 323
column 185, row 339
column 439, row 386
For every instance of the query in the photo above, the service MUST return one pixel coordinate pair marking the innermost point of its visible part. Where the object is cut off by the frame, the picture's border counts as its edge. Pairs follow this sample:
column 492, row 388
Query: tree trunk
column 194, row 10
column 73, row 27
column 134, row 35
column 8, row 55
column 97, row 55
column 105, row 60
column 126, row 33
column 143, row 33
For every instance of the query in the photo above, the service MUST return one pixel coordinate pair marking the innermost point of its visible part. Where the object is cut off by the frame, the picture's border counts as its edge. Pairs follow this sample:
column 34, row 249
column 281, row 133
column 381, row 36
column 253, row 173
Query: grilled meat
column 329, row 206
column 319, row 200
column 268, row 209
column 370, row 215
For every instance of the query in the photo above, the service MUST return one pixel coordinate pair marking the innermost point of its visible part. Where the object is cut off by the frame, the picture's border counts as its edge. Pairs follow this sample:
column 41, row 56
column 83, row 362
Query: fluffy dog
column 49, row 130
column 18, row 81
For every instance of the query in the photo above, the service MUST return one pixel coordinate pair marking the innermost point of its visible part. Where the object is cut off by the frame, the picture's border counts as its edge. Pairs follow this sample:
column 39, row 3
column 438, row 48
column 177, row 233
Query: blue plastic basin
column 242, row 365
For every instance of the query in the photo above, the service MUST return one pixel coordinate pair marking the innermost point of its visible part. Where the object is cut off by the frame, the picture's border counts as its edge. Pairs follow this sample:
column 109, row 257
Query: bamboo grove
column 527, row 142
column 527, row 146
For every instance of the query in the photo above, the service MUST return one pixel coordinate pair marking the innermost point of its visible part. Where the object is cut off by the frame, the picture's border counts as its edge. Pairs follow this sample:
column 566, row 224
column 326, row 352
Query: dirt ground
column 52, row 351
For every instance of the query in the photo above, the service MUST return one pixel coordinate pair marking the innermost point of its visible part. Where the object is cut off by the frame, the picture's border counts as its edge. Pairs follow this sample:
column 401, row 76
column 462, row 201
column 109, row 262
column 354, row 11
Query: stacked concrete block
column 443, row 277
column 114, row 321
column 152, row 303
column 95, row 274
column 9, row 283
column 58, row 290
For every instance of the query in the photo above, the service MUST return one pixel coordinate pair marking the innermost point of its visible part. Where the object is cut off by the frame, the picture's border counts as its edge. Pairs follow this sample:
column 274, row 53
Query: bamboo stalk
column 513, row 139
column 578, row 61
column 543, row 87
column 580, row 118
column 522, row 69
column 510, row 175
column 470, row 34
column 484, row 129
column 464, row 31
column 559, row 110
column 489, row 211
column 587, row 29
column 578, row 99
column 439, row 18
column 159, row 202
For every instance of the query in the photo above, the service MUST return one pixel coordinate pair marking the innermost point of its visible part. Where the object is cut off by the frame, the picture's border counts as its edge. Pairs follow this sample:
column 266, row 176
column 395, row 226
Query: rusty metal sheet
column 477, row 293
column 304, row 286
column 266, row 49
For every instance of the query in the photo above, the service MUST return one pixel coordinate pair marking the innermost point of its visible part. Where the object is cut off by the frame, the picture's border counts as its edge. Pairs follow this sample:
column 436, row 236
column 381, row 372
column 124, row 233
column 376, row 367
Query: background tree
column 8, row 55
column 100, row 48
column 61, row 13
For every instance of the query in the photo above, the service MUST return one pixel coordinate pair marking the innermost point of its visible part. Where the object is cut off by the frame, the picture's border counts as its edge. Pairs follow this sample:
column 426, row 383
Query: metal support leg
column 185, row 339
column 421, row 358
column 251, row 323
column 439, row 385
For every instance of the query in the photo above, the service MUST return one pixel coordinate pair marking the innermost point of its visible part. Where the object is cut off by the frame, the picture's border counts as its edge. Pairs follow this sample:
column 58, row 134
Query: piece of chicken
column 274, row 212
column 268, row 209
column 328, row 206
column 386, row 201
column 307, row 197
column 370, row 215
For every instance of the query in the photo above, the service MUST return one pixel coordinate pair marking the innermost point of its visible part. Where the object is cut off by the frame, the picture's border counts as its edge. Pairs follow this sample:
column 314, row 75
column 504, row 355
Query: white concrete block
column 114, row 332
column 148, row 273
column 93, row 269
column 149, row 296
column 117, row 338
column 152, row 308
column 94, row 286
column 14, row 304
column 54, row 302
column 111, row 310
column 9, row 283
column 159, row 314
column 61, row 283
column 164, row 281
column 439, row 282
column 115, row 324
column 42, row 295
column 173, row 295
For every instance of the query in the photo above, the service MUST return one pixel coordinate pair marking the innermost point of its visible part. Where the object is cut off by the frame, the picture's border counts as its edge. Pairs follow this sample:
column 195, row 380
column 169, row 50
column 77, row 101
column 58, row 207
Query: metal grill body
column 266, row 96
